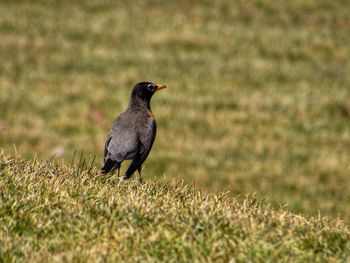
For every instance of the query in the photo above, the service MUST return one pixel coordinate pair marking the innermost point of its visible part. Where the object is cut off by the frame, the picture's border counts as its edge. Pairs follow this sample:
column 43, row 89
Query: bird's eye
column 151, row 87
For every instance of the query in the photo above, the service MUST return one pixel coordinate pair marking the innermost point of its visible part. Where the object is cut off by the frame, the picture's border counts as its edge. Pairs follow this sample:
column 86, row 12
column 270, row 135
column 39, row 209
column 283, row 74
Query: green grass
column 258, row 97
column 54, row 212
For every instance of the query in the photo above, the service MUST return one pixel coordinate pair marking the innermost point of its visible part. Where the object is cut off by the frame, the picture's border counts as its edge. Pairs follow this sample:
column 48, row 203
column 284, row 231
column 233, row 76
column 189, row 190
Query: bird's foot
column 141, row 181
column 101, row 172
column 125, row 177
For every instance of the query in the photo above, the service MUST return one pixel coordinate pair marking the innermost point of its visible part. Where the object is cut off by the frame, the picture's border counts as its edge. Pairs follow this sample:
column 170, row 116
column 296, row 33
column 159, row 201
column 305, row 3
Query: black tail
column 109, row 165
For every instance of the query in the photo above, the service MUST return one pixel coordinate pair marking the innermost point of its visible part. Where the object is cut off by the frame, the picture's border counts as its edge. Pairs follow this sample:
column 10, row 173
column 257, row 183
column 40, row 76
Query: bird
column 133, row 132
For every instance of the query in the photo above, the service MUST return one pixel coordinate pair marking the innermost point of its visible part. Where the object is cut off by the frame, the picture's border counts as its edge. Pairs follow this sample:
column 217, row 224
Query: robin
column 133, row 132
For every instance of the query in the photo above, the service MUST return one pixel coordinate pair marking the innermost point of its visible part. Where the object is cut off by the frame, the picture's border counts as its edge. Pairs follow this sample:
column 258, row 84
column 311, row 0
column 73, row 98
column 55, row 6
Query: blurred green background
column 258, row 98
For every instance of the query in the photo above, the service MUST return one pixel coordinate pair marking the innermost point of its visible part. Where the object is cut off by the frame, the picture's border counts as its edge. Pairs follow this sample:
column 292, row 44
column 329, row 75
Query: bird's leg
column 135, row 165
column 118, row 170
column 139, row 171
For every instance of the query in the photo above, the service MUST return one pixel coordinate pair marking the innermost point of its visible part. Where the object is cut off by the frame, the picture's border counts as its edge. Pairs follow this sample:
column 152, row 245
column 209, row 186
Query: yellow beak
column 160, row 86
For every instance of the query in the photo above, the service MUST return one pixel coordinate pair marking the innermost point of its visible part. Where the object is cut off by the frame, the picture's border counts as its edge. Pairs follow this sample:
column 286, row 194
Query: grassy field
column 60, row 213
column 258, row 98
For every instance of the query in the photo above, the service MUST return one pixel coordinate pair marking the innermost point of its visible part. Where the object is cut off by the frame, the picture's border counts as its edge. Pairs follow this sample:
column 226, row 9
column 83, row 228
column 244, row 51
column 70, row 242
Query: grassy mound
column 54, row 211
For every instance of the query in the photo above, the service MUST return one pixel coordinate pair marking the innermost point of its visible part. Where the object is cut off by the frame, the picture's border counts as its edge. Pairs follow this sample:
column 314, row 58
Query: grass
column 258, row 97
column 54, row 212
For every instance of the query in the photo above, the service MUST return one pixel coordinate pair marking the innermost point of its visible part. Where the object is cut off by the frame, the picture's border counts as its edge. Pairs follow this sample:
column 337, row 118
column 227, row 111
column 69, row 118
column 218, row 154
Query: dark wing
column 109, row 137
column 124, row 146
column 105, row 155
column 146, row 140
column 119, row 148
column 108, row 163
column 121, row 144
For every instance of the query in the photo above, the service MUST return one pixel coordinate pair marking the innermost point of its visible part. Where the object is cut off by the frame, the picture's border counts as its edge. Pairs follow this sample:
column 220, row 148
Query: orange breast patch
column 150, row 114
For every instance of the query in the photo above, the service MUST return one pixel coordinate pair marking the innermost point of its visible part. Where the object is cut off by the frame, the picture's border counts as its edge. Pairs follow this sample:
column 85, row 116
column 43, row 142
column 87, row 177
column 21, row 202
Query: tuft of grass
column 52, row 211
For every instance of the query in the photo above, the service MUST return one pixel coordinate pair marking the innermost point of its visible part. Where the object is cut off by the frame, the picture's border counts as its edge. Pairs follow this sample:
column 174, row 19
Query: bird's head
column 143, row 91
